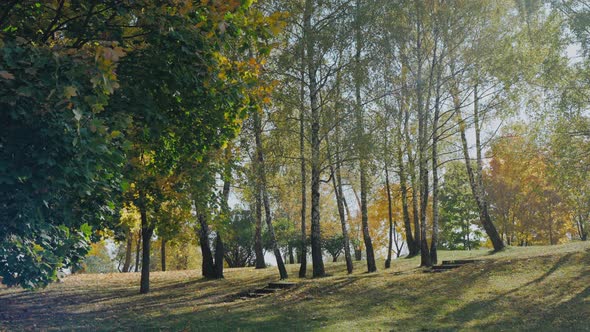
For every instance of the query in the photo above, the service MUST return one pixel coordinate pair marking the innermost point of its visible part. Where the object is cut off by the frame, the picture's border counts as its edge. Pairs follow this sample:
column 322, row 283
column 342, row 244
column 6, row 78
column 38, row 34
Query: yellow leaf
column 70, row 91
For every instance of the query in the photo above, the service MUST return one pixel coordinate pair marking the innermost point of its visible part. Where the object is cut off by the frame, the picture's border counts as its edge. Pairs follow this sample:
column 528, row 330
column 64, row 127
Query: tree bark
column 128, row 247
column 435, row 187
column 260, row 264
column 411, row 171
column 163, row 255
column 207, row 264
column 422, row 144
column 137, row 251
column 412, row 247
column 302, row 258
column 265, row 198
column 291, row 256
column 316, row 245
column 390, row 218
column 219, row 248
column 343, row 223
column 583, row 233
column 358, row 254
column 219, row 251
column 362, row 143
column 415, row 197
column 337, row 184
column 146, row 233
column 343, row 199
column 477, row 186
column 280, row 264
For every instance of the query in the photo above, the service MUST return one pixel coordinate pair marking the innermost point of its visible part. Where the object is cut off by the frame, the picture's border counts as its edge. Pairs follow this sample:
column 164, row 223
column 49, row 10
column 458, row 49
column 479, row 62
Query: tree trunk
column 262, row 187
column 260, row 264
column 477, row 186
column 422, row 146
column 435, row 188
column 390, row 218
column 146, row 234
column 343, row 223
column 358, row 254
column 219, row 251
column 280, row 264
column 399, row 246
column 581, row 229
column 316, row 245
column 337, row 184
column 415, row 200
column 163, row 255
column 413, row 242
column 224, row 211
column 207, row 264
column 302, row 258
column 412, row 247
column 291, row 256
column 346, row 210
column 128, row 248
column 362, row 142
column 137, row 251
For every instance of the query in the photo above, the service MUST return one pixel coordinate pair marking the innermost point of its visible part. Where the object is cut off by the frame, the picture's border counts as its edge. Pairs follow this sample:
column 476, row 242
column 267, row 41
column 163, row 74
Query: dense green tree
column 458, row 229
column 61, row 150
column 239, row 242
column 184, row 83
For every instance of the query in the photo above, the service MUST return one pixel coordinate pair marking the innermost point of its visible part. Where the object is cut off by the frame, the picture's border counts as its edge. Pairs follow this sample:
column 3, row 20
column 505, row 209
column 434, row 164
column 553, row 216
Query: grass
column 533, row 288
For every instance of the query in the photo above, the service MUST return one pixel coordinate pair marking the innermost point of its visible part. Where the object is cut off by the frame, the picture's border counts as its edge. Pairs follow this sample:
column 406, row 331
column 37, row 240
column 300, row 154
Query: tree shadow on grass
column 68, row 307
column 399, row 302
column 512, row 311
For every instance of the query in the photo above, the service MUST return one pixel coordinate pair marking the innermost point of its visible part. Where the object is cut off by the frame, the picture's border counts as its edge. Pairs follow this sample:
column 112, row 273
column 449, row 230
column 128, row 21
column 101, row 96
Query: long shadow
column 48, row 307
column 205, row 309
column 483, row 308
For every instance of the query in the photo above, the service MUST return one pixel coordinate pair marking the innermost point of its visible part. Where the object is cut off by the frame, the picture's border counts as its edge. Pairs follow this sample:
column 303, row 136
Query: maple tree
column 529, row 207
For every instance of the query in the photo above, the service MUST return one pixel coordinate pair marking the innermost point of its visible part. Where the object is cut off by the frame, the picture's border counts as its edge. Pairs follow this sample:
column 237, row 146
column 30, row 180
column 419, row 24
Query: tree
column 60, row 174
column 261, row 190
column 312, row 68
column 181, row 91
column 334, row 246
column 98, row 260
column 130, row 221
column 239, row 243
column 458, row 210
column 536, row 212
column 362, row 142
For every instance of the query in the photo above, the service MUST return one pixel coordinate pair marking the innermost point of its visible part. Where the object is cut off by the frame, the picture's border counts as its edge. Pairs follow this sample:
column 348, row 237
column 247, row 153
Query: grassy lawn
column 533, row 288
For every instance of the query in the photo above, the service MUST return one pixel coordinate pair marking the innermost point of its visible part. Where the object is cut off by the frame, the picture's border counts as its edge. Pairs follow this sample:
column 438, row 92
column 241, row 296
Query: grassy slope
column 534, row 288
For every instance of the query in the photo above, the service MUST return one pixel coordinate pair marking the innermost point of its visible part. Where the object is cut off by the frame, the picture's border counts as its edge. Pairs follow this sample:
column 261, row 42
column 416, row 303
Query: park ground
column 533, row 288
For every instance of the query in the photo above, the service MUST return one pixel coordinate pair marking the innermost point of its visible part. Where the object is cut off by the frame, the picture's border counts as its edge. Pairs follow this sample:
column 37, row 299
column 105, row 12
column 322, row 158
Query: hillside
column 533, row 288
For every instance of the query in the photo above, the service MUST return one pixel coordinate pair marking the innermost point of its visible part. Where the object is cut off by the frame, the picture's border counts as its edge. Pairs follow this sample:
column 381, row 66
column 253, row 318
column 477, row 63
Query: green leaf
column 86, row 229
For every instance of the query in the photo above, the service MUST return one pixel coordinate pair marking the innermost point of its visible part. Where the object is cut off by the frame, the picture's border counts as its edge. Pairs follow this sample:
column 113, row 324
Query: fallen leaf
column 70, row 91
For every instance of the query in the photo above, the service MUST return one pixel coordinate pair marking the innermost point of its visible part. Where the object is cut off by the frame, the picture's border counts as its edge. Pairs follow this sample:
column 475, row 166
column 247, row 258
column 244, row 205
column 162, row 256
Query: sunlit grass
column 541, row 288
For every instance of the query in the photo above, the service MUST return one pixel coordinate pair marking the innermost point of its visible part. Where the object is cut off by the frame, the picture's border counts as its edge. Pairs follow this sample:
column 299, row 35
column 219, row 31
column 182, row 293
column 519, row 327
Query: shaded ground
column 535, row 288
